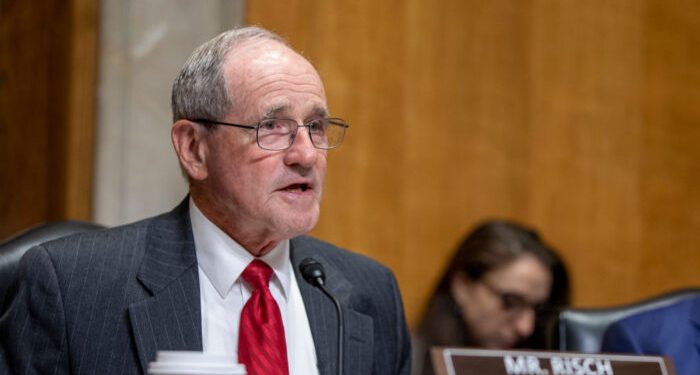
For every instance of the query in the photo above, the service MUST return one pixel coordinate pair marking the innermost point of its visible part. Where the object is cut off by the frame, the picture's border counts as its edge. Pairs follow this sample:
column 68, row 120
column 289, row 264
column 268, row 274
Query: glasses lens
column 513, row 302
column 278, row 134
column 327, row 133
column 274, row 134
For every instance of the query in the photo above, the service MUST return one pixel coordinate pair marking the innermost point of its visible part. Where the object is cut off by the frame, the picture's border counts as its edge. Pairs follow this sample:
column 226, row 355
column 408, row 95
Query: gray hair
column 200, row 89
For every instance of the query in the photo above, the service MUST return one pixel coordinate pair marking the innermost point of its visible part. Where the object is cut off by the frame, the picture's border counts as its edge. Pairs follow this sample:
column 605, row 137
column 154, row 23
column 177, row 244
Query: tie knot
column 257, row 274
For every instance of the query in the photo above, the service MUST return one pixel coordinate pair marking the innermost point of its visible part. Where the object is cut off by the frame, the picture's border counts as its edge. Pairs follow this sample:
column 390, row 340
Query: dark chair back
column 12, row 249
column 582, row 329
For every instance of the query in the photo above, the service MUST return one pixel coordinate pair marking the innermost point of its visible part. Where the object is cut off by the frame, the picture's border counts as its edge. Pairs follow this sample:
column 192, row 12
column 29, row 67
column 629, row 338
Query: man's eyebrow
column 319, row 112
column 275, row 111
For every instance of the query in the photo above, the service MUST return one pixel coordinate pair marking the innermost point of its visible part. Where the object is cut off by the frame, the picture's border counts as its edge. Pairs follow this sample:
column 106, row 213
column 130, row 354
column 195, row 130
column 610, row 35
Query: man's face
column 262, row 196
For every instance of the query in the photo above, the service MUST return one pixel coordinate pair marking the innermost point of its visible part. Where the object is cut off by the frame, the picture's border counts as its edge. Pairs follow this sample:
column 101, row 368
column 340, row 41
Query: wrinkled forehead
column 257, row 62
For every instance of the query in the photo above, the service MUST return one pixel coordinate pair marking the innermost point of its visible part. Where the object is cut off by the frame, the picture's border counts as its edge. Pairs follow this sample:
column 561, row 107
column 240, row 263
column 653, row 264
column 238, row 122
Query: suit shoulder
column 670, row 314
column 175, row 220
column 667, row 323
column 98, row 237
column 116, row 245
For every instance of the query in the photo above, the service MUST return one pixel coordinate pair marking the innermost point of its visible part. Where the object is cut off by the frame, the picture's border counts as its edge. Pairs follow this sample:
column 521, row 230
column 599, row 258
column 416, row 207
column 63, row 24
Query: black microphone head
column 312, row 271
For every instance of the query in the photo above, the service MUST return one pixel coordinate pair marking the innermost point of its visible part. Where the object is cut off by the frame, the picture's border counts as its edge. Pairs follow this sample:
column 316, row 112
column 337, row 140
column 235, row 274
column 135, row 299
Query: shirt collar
column 223, row 259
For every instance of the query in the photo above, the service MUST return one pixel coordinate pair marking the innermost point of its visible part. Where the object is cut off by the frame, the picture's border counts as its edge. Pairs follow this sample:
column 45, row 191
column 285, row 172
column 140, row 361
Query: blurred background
column 580, row 118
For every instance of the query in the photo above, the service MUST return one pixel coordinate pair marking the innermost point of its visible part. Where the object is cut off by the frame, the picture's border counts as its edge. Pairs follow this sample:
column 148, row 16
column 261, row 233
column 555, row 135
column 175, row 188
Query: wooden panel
column 587, row 79
column 580, row 118
column 24, row 113
column 80, row 122
column 670, row 173
column 47, row 96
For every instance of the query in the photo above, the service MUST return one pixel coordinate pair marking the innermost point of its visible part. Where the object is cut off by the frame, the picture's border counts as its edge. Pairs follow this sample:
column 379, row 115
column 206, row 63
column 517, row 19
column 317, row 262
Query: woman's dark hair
column 491, row 245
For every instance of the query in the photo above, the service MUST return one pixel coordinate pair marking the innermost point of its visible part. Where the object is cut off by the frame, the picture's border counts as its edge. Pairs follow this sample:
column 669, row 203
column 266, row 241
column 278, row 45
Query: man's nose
column 302, row 150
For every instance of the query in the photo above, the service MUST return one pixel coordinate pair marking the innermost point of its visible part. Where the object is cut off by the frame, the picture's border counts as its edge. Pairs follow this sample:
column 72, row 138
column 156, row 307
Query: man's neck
column 257, row 243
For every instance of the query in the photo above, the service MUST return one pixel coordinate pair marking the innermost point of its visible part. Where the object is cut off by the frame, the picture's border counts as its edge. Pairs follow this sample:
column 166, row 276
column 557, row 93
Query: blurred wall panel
column 670, row 168
column 47, row 95
column 580, row 118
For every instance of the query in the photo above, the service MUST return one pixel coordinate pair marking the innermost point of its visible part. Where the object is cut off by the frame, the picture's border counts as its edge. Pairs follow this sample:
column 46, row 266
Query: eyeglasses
column 277, row 134
column 514, row 303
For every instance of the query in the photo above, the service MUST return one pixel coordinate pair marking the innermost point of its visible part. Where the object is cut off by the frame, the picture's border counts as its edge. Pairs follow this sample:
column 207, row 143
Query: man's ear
column 189, row 140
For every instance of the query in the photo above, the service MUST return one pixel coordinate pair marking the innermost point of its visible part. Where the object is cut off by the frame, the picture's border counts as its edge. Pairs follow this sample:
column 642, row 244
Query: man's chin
column 297, row 225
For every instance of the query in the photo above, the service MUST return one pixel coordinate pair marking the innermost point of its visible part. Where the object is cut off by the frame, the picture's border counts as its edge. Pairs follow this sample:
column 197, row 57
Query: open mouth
column 297, row 188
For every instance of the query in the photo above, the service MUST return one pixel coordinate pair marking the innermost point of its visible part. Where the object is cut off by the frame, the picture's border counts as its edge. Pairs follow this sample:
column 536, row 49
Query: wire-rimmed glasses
column 277, row 134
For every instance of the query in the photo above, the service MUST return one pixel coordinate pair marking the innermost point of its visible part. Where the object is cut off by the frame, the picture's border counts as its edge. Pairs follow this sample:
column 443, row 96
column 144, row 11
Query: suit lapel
column 323, row 317
column 171, row 318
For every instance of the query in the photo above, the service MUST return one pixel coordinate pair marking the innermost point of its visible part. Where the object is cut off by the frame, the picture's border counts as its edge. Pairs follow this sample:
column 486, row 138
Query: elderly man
column 219, row 273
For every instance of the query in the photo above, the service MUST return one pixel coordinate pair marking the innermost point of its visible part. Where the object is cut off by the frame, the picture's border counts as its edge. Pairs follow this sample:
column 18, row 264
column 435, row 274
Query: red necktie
column 261, row 344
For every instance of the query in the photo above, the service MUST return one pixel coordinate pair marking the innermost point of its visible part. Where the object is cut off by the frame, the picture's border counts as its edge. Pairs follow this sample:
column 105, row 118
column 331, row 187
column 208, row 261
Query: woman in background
column 496, row 293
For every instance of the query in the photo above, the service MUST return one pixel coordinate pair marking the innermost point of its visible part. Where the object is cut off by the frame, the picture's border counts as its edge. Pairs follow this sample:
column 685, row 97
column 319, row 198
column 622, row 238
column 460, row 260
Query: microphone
column 312, row 271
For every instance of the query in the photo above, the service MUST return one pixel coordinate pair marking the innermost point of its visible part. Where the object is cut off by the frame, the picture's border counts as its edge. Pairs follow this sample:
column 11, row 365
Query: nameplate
column 458, row 361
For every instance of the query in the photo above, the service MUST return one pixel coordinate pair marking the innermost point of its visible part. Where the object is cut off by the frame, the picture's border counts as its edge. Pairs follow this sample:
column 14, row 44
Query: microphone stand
column 313, row 273
column 340, row 327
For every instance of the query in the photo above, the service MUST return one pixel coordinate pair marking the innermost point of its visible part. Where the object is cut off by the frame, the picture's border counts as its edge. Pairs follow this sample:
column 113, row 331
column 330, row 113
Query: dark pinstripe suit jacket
column 104, row 302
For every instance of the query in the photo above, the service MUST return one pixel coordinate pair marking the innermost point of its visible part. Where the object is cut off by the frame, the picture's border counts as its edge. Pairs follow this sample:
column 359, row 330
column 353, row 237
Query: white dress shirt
column 223, row 294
